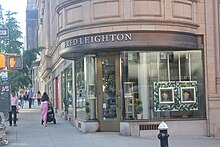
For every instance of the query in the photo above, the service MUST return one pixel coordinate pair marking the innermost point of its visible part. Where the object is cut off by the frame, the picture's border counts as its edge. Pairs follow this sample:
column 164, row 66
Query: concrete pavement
column 30, row 133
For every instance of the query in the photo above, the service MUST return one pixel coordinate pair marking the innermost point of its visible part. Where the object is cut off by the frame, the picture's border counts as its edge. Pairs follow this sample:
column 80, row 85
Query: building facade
column 126, row 65
column 32, row 40
column 31, row 24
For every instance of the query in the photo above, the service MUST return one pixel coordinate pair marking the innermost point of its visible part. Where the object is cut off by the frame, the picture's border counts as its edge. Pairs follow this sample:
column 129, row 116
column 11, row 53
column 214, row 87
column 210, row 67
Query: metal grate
column 149, row 127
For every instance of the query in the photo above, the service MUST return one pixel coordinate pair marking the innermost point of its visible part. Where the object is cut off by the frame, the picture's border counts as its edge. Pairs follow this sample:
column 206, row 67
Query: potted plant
column 87, row 110
column 139, row 109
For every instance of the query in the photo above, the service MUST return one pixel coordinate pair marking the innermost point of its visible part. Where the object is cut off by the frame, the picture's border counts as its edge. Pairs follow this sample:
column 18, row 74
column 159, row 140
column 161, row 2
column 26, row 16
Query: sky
column 18, row 6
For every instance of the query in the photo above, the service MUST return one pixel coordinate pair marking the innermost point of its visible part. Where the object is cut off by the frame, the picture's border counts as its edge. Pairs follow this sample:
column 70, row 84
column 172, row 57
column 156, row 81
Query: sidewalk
column 30, row 133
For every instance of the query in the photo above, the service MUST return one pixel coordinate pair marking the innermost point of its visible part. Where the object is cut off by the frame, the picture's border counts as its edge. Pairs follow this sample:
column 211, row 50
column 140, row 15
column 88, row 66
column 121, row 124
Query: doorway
column 108, row 92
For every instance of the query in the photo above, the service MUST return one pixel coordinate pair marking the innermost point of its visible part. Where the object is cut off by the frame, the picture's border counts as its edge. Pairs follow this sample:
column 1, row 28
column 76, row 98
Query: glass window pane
column 153, row 72
column 85, row 88
column 80, row 89
column 69, row 86
column 109, row 88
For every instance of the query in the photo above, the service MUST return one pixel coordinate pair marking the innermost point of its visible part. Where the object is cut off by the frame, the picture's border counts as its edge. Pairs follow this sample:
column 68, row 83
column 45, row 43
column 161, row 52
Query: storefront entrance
column 108, row 92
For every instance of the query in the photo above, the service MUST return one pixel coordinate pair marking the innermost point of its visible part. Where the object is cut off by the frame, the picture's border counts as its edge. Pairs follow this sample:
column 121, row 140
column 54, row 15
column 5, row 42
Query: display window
column 85, row 87
column 167, row 84
column 67, row 88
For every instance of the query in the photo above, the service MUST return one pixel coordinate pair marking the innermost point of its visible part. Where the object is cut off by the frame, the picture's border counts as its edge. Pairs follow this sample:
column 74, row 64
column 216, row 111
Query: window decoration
column 166, row 95
column 188, row 95
column 175, row 96
column 190, row 87
column 162, row 91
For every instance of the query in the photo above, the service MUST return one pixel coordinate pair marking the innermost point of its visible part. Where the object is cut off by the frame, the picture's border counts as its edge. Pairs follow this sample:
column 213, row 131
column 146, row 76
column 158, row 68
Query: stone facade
column 69, row 18
column 211, row 64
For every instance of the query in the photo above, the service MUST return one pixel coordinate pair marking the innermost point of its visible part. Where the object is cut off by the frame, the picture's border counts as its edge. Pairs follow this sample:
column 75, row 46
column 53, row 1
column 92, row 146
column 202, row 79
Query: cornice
column 128, row 22
column 72, row 2
column 45, row 73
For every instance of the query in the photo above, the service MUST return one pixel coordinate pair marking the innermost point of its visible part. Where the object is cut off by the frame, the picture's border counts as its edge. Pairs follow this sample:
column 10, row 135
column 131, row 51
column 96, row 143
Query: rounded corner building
column 127, row 65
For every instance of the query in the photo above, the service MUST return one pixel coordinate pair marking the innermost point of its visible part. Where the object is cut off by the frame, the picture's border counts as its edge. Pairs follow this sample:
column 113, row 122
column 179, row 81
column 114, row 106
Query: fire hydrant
column 163, row 135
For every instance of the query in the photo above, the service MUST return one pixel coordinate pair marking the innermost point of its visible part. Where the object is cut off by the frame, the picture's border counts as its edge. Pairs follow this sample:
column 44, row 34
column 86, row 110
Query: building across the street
column 31, row 24
column 127, row 65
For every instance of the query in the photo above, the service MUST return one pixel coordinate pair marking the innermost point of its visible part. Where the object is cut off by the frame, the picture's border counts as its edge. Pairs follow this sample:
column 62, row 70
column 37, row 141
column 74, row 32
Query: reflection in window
column 109, row 89
column 143, row 69
column 85, row 88
column 67, row 89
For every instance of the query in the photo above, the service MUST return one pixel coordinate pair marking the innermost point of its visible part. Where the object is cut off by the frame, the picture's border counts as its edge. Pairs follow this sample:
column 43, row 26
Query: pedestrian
column 38, row 98
column 14, row 108
column 33, row 98
column 21, row 97
column 44, row 108
column 25, row 96
column 30, row 96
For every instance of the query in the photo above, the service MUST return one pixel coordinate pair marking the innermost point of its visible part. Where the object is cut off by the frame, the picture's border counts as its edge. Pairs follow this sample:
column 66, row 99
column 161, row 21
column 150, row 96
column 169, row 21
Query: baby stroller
column 50, row 114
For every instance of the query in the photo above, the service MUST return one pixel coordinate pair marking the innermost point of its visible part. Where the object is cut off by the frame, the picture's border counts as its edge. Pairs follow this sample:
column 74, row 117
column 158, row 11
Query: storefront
column 122, row 78
column 62, row 78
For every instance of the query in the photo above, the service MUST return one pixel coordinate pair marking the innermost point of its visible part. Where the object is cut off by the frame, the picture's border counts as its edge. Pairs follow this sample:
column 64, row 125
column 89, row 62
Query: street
column 30, row 133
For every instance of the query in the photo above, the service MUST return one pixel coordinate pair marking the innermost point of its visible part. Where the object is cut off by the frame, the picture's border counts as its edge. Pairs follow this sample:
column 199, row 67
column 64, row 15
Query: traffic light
column 2, row 61
column 15, row 62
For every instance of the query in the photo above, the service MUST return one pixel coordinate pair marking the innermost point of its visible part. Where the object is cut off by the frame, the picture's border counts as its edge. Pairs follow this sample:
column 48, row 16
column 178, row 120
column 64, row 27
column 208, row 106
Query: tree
column 21, row 78
column 13, row 44
column 30, row 55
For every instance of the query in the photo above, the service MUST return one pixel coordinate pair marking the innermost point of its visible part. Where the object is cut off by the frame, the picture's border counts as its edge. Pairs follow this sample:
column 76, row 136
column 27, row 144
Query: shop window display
column 67, row 89
column 129, row 99
column 175, row 96
column 85, row 88
column 165, row 84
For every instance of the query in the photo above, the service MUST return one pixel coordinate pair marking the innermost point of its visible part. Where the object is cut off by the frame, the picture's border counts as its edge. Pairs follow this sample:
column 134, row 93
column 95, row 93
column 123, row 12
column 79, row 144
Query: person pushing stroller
column 47, row 112
column 44, row 108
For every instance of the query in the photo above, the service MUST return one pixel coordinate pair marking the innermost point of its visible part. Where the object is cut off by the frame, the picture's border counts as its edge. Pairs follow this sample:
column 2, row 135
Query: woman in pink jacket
column 44, row 108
